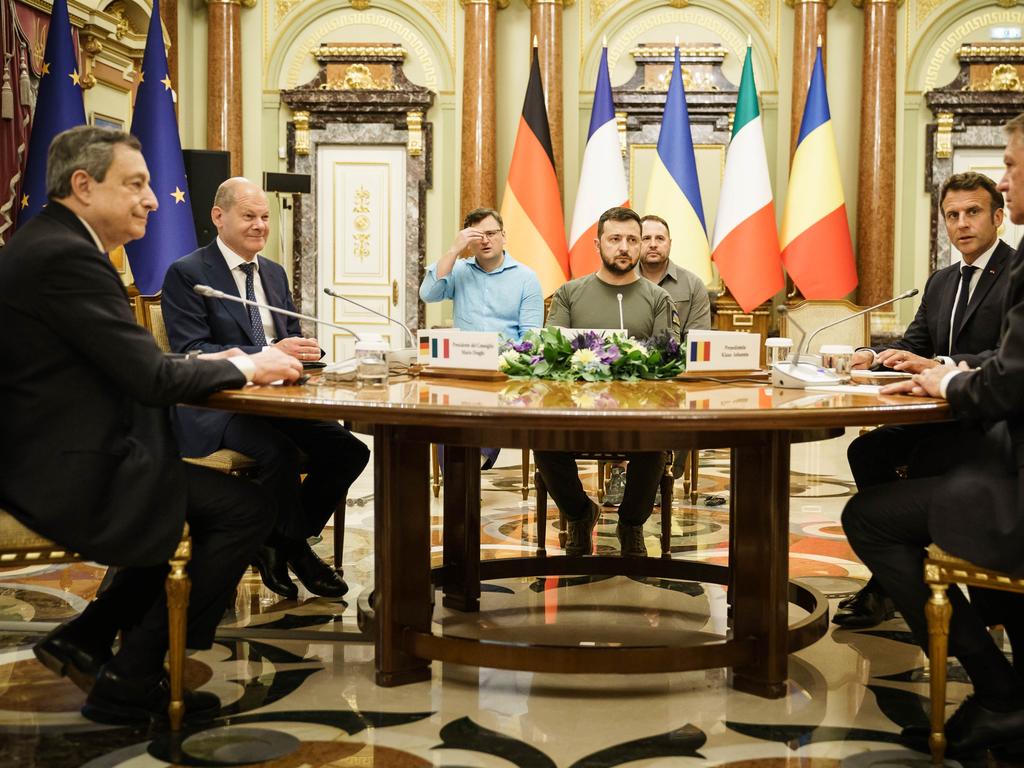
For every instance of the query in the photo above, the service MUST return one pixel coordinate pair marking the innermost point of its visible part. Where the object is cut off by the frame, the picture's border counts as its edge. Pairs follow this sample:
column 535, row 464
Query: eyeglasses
column 490, row 234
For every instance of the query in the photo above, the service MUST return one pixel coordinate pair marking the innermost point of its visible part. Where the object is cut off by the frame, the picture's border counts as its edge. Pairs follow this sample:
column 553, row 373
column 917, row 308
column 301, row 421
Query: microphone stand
column 409, row 354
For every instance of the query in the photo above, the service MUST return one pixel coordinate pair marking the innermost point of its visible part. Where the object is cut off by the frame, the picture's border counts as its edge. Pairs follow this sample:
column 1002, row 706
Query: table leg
column 402, row 589
column 461, row 584
column 759, row 561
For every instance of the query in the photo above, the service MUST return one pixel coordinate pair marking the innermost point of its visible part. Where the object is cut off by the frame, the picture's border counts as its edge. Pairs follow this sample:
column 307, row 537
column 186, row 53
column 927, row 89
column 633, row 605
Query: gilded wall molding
column 863, row 3
column 794, row 3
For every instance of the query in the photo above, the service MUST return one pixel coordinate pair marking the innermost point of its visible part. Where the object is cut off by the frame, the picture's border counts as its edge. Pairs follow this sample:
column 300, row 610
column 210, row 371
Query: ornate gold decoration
column 944, row 135
column 794, row 3
column 925, row 7
column 281, row 8
column 692, row 81
column 362, row 201
column 91, row 47
column 689, row 51
column 358, row 78
column 121, row 20
column 1008, row 3
column 969, row 51
column 361, row 245
column 620, row 124
column 598, row 7
column 414, row 119
column 301, row 122
column 563, row 3
column 361, row 209
column 389, row 52
column 761, row 7
column 679, row 3
column 360, row 5
column 502, row 4
column 1004, row 77
column 362, row 222
column 862, row 3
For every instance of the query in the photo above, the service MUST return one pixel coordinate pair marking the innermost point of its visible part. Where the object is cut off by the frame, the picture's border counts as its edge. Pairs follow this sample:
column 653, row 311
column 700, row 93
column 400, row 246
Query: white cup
column 777, row 350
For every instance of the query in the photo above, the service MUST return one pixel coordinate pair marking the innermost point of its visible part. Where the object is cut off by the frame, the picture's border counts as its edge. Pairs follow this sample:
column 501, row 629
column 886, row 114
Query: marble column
column 876, row 195
column 169, row 18
column 224, row 80
column 478, row 178
column 809, row 21
column 546, row 29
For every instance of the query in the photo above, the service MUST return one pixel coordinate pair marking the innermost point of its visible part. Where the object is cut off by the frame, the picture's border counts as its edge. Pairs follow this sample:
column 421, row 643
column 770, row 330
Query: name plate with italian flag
column 452, row 348
column 722, row 351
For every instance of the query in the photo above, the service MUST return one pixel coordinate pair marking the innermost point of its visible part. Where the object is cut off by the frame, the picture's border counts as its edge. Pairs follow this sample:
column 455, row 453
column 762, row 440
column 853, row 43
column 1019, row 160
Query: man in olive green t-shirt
column 613, row 297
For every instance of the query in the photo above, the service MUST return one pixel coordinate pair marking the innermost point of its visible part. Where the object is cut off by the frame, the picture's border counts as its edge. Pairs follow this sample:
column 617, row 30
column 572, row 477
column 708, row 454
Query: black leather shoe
column 63, row 654
column 867, row 609
column 117, row 700
column 316, row 575
column 974, row 727
column 273, row 568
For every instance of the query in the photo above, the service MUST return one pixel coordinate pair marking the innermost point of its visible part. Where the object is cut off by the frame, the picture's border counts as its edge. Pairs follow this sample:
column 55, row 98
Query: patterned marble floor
column 302, row 668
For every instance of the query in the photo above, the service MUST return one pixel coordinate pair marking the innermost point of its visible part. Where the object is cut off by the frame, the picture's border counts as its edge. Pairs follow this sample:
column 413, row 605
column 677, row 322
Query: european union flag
column 59, row 106
column 170, row 233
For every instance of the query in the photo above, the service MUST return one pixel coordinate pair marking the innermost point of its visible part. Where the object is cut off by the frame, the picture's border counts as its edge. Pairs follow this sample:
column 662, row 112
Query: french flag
column 602, row 178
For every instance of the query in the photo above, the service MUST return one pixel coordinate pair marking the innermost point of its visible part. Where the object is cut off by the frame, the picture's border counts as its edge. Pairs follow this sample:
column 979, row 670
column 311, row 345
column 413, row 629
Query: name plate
column 722, row 351
column 452, row 348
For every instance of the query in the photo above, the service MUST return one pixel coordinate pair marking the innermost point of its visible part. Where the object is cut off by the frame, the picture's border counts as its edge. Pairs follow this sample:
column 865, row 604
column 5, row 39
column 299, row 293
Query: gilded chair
column 812, row 314
column 20, row 546
column 150, row 316
column 941, row 570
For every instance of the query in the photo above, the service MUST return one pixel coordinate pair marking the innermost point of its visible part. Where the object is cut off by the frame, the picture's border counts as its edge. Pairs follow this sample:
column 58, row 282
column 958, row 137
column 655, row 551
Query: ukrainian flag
column 673, row 192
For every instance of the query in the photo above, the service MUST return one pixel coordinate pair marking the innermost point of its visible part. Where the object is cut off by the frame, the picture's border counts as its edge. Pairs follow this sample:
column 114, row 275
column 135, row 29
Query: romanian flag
column 59, row 106
column 816, row 247
column 602, row 178
column 700, row 351
column 673, row 192
column 746, row 244
column 532, row 206
column 171, row 232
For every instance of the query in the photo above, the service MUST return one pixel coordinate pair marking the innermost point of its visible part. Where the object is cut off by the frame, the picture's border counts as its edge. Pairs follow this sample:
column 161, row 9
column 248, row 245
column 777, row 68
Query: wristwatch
column 192, row 354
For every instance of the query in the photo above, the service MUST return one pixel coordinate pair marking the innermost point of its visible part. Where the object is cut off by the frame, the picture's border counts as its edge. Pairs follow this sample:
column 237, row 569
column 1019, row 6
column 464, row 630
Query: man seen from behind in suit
column 972, row 508
column 330, row 455
column 613, row 297
column 958, row 320
column 87, row 456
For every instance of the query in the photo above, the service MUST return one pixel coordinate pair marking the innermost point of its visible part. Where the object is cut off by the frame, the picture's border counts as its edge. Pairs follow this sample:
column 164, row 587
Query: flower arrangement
column 547, row 354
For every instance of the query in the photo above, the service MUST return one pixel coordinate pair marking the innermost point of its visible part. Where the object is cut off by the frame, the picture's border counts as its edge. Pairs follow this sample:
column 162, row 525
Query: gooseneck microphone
column 403, row 326
column 213, row 293
column 622, row 323
column 904, row 295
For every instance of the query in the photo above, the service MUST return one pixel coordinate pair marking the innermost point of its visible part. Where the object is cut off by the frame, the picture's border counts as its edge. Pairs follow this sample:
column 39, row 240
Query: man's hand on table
column 925, row 384
column 908, row 362
column 274, row 365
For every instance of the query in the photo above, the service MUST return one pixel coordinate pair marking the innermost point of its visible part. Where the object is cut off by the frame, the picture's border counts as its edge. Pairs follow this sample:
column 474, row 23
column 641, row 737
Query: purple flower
column 588, row 340
column 536, row 359
column 523, row 347
column 610, row 355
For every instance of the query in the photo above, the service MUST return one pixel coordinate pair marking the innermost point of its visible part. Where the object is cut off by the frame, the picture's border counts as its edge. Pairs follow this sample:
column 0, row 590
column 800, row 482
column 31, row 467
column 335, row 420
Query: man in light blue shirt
column 491, row 291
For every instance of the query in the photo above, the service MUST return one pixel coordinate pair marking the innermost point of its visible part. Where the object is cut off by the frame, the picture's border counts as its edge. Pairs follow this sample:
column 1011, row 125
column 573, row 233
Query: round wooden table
column 757, row 423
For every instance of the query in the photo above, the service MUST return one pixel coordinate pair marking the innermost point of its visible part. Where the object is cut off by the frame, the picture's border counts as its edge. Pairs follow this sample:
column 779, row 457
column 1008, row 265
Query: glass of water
column 371, row 363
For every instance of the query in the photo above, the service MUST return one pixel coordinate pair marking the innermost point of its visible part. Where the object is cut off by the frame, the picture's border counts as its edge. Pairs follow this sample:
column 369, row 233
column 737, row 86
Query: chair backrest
column 812, row 314
column 152, row 318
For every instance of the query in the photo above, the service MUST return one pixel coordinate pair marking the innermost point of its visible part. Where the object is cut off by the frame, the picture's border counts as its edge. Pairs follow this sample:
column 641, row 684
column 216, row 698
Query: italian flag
column 745, row 246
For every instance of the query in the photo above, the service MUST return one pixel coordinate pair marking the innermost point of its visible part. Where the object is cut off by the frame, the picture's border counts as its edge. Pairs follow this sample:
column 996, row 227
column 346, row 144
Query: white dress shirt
column 234, row 261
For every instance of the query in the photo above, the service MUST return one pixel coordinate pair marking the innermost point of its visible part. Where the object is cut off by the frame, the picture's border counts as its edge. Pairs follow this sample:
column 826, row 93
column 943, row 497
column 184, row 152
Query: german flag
column 531, row 206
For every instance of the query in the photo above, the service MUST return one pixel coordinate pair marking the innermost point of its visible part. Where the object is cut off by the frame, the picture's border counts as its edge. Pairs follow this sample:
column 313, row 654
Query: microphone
column 403, row 326
column 794, row 356
column 621, row 323
column 213, row 293
column 904, row 295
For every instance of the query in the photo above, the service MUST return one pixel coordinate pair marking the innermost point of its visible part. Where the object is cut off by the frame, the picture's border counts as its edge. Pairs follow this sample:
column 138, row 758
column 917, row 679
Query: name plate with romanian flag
column 452, row 348
column 722, row 351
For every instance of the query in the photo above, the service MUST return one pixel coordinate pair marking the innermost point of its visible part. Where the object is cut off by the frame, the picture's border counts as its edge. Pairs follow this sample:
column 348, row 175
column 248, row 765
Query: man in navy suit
column 958, row 321
column 331, row 456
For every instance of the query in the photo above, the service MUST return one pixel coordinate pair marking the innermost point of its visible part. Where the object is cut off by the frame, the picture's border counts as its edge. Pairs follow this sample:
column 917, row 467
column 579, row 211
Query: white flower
column 581, row 358
column 631, row 345
column 509, row 356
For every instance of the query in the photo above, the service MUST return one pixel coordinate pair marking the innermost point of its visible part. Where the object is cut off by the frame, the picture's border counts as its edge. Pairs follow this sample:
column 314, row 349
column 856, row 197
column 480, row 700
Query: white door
column 990, row 163
column 361, row 243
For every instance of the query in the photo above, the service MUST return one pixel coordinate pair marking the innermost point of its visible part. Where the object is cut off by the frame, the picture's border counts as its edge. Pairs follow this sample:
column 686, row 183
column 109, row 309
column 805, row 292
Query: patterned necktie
column 961, row 303
column 258, row 335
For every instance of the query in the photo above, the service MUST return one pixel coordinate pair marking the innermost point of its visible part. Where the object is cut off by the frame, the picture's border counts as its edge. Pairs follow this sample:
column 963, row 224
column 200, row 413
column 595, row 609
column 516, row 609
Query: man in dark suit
column 958, row 320
column 87, row 457
column 332, row 457
column 972, row 510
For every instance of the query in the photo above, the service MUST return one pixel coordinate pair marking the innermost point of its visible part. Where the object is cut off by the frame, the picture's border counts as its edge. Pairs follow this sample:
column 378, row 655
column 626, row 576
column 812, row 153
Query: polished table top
column 669, row 406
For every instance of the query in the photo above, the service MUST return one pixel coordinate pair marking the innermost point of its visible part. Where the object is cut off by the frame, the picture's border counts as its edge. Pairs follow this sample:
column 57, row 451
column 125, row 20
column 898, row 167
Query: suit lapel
column 274, row 299
column 948, row 296
column 988, row 277
column 219, row 277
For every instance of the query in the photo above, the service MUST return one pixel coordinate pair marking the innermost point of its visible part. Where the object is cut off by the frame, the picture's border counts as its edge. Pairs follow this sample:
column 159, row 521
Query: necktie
column 961, row 303
column 258, row 335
